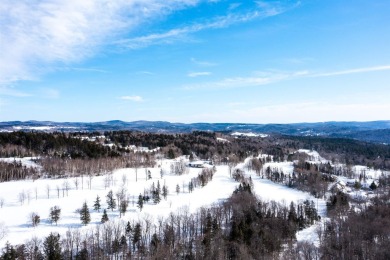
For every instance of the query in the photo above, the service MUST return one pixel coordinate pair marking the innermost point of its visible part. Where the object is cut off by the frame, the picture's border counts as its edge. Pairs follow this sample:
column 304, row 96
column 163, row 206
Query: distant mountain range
column 374, row 131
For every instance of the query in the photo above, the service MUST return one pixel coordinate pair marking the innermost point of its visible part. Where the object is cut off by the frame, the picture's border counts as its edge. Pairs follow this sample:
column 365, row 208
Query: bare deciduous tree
column 3, row 230
column 66, row 187
column 22, row 197
column 34, row 218
column 36, row 193
column 48, row 191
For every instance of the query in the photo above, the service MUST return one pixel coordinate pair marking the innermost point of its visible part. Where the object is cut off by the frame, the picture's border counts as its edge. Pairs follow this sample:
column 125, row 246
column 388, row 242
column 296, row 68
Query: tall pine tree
column 55, row 213
column 85, row 217
column 96, row 205
column 111, row 203
column 104, row 217
column 52, row 247
column 140, row 203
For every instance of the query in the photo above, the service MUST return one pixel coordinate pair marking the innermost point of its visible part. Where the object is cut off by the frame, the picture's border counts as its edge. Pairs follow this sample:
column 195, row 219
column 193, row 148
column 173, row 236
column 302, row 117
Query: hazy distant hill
column 375, row 131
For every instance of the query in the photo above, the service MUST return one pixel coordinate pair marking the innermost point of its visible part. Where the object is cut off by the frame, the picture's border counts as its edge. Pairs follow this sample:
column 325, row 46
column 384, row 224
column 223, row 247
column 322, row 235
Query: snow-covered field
column 41, row 195
column 20, row 198
column 250, row 134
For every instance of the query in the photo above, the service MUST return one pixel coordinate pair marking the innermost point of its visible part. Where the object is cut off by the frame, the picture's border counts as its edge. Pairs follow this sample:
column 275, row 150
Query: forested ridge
column 203, row 144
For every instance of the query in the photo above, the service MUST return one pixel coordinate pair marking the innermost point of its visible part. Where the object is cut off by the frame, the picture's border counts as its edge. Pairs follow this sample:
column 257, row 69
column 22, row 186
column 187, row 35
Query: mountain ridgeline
column 375, row 131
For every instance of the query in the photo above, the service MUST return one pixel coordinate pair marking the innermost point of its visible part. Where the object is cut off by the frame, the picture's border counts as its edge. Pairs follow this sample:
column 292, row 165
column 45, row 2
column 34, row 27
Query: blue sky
column 195, row 61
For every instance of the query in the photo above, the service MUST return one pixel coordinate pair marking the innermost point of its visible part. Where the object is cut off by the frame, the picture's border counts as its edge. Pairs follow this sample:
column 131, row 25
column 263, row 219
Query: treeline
column 202, row 145
column 10, row 171
column 343, row 150
column 243, row 227
column 52, row 144
column 63, row 167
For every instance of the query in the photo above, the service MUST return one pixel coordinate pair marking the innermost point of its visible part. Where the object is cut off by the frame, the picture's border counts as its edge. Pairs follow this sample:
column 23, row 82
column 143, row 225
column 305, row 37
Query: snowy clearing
column 15, row 211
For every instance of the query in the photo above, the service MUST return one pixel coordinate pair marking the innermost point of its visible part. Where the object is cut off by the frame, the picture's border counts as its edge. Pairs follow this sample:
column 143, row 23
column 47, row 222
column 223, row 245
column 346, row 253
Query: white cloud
column 233, row 6
column 83, row 69
column 203, row 63
column 296, row 112
column 36, row 35
column 198, row 74
column 239, row 82
column 144, row 72
column 132, row 98
column 10, row 91
column 215, row 23
column 352, row 71
column 50, row 93
column 269, row 77
column 313, row 112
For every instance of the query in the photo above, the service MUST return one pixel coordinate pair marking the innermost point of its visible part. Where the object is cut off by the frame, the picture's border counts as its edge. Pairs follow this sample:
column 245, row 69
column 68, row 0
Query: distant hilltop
column 374, row 131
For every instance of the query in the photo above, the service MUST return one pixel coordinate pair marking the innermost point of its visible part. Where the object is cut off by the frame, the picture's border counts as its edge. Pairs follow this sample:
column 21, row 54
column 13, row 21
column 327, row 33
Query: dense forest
column 204, row 145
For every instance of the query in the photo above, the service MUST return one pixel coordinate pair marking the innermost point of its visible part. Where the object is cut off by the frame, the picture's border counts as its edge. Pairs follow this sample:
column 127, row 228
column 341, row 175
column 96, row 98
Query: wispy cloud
column 132, row 98
column 198, row 74
column 351, row 71
column 49, row 93
column 174, row 34
column 265, row 78
column 144, row 72
column 233, row 6
column 240, row 82
column 83, row 69
column 11, row 92
column 38, row 35
column 203, row 63
column 311, row 112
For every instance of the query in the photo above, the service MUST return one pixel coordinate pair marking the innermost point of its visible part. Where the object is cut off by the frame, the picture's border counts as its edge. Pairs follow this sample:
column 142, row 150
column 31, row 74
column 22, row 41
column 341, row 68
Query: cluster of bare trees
column 11, row 150
column 179, row 167
column 204, row 177
column 16, row 171
column 58, row 167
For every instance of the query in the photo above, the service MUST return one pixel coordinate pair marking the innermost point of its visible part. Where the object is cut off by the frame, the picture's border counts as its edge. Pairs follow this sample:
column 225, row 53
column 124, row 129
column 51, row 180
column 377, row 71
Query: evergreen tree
column 52, row 247
column 165, row 191
column 158, row 188
column 157, row 192
column 82, row 255
column 111, row 200
column 9, row 252
column 190, row 186
column 171, row 154
column 140, row 203
column 128, row 229
column 373, row 186
column 85, row 217
column 154, row 243
column 137, row 234
column 55, row 213
column 104, row 217
column 177, row 189
column 96, row 205
column 123, row 206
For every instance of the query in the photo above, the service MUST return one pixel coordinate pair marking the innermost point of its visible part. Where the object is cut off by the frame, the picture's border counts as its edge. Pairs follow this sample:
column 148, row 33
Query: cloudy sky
column 195, row 61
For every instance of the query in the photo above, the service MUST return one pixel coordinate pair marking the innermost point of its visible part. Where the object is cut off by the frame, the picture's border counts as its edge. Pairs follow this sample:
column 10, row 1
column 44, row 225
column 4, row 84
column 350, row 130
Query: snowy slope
column 16, row 214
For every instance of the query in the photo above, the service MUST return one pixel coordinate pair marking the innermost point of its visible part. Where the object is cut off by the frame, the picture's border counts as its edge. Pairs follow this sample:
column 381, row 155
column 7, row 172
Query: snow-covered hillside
column 21, row 198
column 18, row 199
